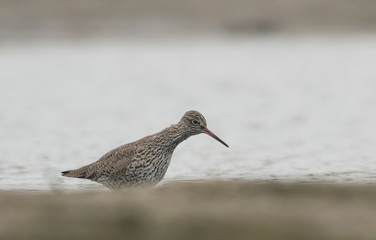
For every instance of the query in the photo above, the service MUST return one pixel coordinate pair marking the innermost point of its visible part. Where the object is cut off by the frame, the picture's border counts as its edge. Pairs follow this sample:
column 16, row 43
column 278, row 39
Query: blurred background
column 289, row 85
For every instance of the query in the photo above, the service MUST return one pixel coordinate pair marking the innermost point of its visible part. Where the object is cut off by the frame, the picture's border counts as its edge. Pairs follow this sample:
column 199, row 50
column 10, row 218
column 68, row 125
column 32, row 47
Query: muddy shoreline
column 199, row 210
column 45, row 19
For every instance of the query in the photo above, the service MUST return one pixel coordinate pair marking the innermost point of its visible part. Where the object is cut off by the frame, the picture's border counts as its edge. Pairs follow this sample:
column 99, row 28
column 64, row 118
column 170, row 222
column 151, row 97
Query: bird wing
column 111, row 164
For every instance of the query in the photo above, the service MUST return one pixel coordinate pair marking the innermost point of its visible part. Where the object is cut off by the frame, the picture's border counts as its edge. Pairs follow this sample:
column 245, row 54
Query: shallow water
column 291, row 108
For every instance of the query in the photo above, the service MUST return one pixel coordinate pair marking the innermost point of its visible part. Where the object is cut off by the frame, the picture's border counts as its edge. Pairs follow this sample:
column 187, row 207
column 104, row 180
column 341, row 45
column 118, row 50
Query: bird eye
column 194, row 122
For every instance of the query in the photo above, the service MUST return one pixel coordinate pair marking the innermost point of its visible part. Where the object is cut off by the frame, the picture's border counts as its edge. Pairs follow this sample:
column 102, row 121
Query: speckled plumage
column 143, row 162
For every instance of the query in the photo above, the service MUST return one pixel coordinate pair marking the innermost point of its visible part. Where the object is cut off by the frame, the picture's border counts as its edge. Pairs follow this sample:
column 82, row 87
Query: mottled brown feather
column 143, row 162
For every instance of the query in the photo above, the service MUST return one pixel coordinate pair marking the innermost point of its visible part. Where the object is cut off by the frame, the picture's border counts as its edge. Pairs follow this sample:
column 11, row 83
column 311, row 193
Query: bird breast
column 148, row 166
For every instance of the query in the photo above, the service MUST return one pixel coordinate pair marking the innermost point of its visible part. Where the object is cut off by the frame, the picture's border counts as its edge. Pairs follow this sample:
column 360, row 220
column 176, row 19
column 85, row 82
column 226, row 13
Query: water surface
column 291, row 109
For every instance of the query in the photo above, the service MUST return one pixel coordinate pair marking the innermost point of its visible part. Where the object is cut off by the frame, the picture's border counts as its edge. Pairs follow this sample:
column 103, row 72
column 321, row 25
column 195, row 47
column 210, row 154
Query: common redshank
column 143, row 162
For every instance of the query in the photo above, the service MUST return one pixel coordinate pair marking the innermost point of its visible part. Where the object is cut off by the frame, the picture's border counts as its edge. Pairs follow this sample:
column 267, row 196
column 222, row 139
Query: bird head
column 195, row 123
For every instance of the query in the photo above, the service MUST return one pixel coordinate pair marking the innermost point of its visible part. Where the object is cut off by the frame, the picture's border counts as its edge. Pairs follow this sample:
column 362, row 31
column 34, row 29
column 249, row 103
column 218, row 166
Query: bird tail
column 78, row 173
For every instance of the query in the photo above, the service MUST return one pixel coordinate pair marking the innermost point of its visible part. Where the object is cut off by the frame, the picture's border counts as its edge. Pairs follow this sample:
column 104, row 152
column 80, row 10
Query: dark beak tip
column 208, row 132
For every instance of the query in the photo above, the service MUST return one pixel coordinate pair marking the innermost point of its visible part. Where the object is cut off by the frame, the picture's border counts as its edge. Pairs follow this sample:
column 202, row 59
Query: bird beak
column 205, row 130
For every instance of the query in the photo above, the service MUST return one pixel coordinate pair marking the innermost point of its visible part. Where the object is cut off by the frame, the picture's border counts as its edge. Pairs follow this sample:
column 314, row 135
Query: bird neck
column 172, row 136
